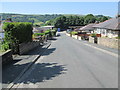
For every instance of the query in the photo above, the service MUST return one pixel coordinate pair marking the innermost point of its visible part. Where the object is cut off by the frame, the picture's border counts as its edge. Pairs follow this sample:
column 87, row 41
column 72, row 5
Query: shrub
column 53, row 32
column 47, row 32
column 5, row 46
column 117, row 37
column 93, row 35
column 39, row 34
column 74, row 33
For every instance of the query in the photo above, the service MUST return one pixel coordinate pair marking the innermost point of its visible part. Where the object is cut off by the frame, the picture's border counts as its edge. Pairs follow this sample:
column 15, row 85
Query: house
column 47, row 27
column 109, row 28
column 88, row 28
column 74, row 28
column 38, row 30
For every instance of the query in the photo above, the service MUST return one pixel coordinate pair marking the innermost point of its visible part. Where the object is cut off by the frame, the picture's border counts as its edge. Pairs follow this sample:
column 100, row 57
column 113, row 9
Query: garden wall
column 79, row 38
column 91, row 39
column 109, row 42
column 75, row 36
column 6, row 57
column 67, row 34
column 25, row 47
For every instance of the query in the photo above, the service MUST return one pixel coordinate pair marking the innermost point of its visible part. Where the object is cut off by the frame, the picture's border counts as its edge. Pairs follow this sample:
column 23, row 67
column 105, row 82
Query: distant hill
column 36, row 18
column 29, row 18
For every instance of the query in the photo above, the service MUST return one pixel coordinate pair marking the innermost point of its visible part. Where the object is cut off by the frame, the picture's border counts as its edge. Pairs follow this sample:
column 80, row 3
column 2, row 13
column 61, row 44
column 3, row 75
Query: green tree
column 90, row 18
column 60, row 22
column 104, row 18
column 50, row 22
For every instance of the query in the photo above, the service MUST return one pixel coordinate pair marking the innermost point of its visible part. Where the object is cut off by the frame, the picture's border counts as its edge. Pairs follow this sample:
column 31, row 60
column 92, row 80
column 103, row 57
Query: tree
column 104, row 18
column 60, row 22
column 90, row 18
column 81, row 19
column 50, row 22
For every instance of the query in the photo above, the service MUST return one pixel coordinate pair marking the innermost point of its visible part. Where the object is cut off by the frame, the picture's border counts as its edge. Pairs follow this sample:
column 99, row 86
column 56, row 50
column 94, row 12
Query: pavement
column 70, row 63
column 15, row 69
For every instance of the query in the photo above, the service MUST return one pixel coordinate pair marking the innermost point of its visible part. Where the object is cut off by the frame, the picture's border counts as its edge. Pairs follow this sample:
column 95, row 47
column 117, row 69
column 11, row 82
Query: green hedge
column 74, row 33
column 39, row 34
column 93, row 35
column 16, row 33
column 47, row 32
column 117, row 37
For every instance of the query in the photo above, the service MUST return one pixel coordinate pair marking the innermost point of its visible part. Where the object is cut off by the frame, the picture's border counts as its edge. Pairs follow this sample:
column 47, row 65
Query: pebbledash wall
column 109, row 42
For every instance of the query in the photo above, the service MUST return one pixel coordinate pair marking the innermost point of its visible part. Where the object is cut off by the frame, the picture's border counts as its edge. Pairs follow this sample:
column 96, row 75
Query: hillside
column 29, row 18
column 37, row 18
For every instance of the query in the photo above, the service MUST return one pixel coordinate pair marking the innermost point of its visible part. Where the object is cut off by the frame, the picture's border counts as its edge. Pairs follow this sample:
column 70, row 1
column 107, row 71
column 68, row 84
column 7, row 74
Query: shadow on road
column 53, row 39
column 11, row 70
column 49, row 51
column 43, row 72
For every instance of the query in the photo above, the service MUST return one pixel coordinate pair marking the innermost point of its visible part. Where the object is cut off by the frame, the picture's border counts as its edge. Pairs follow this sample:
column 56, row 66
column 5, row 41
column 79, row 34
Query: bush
column 117, row 37
column 39, row 34
column 16, row 33
column 5, row 46
column 74, row 33
column 53, row 32
column 93, row 35
column 47, row 32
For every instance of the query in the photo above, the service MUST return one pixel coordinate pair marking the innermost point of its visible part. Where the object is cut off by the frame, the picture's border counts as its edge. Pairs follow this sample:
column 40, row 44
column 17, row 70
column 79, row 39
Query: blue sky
column 104, row 8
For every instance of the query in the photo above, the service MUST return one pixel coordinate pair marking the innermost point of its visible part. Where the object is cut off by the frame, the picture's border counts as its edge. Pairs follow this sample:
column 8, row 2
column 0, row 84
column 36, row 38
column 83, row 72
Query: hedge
column 16, row 33
column 47, row 32
column 93, row 35
column 74, row 33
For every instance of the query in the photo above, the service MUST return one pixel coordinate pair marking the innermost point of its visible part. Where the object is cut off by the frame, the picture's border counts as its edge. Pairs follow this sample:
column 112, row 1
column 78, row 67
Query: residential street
column 70, row 63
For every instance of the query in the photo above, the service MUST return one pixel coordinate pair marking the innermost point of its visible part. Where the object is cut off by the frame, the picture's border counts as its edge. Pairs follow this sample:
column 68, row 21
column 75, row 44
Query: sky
column 82, row 8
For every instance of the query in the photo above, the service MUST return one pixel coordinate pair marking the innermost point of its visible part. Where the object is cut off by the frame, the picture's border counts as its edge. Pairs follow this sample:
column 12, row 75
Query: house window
column 115, row 32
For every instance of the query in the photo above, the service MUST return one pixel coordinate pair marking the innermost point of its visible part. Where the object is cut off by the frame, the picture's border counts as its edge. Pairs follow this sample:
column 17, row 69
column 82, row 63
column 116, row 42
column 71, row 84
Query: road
column 69, row 63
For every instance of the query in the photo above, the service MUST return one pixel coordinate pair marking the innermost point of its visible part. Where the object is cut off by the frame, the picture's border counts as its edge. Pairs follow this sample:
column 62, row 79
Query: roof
column 113, row 24
column 88, row 27
column 75, row 26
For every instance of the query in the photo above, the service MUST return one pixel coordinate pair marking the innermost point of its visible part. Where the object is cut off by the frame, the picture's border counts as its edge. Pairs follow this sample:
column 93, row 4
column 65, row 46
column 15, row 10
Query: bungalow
column 74, row 28
column 47, row 27
column 109, row 28
column 88, row 28
column 41, row 29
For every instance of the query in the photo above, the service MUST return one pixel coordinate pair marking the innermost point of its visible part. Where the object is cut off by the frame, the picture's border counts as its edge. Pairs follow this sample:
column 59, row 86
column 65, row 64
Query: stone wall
column 25, row 47
column 6, row 57
column 109, row 42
